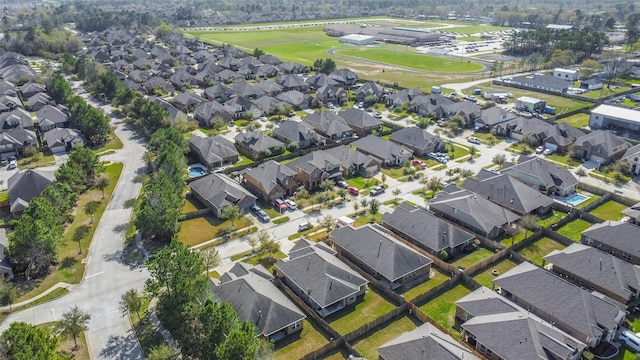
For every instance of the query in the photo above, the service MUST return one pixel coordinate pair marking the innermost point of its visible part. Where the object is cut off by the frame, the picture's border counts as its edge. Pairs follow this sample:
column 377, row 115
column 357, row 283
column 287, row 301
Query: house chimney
column 600, row 264
column 379, row 248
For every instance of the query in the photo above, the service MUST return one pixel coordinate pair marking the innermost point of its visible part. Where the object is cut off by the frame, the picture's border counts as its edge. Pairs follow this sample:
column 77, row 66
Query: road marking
column 92, row 275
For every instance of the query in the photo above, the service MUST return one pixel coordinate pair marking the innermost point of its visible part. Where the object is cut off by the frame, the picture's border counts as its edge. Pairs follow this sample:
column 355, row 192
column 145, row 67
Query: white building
column 605, row 116
column 358, row 39
column 530, row 104
column 566, row 74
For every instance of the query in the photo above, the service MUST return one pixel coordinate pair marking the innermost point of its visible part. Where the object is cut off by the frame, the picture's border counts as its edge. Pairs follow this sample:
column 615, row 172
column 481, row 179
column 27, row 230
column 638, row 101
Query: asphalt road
column 106, row 277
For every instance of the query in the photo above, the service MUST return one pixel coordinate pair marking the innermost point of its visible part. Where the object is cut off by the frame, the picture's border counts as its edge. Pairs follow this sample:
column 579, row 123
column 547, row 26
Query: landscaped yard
column 311, row 338
column 265, row 260
column 191, row 204
column 539, row 249
column 66, row 344
column 574, row 229
column 563, row 158
column 576, row 120
column 592, row 198
column 365, row 218
column 476, row 256
column 367, row 309
column 201, row 229
column 394, row 172
column 368, row 346
column 361, row 182
column 436, row 278
column 442, row 309
column 551, row 219
column 486, row 277
column 609, row 210
column 488, row 138
column 507, row 240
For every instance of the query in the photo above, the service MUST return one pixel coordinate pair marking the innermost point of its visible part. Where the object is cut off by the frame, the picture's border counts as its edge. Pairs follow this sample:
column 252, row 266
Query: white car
column 539, row 149
column 291, row 204
column 547, row 152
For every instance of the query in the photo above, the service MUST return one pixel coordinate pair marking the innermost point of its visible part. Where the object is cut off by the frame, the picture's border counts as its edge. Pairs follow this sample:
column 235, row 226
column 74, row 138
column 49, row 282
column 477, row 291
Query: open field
column 577, row 120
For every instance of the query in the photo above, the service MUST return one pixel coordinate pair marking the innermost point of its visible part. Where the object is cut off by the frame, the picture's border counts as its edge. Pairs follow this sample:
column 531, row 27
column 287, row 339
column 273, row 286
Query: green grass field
column 539, row 249
column 410, row 59
column 442, row 309
column 609, row 210
column 573, row 230
column 577, row 120
column 368, row 346
column 311, row 338
column 486, row 277
column 365, row 310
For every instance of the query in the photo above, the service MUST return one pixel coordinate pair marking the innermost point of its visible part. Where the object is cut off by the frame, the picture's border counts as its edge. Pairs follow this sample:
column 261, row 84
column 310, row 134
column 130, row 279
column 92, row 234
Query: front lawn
column 442, row 309
column 365, row 310
column 367, row 219
column 361, row 182
column 195, row 231
column 311, row 338
column 574, row 229
column 265, row 260
column 436, row 278
column 395, row 172
column 66, row 344
column 539, row 249
column 564, row 159
column 476, row 256
column 611, row 210
column 486, row 277
column 368, row 347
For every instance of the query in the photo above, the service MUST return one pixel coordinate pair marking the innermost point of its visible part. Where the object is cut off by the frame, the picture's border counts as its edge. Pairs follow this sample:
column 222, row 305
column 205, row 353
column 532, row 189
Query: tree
column 327, row 185
column 162, row 352
column 231, row 213
column 178, row 270
column 78, row 234
column 302, row 192
column 450, row 172
column 23, row 341
column 8, row 294
column 257, row 53
column 395, row 192
column 210, row 258
column 90, row 208
column 529, row 223
column 242, row 343
column 588, row 68
column 472, row 151
column 581, row 172
column 269, row 246
column 328, row 222
column 364, row 203
column 424, row 181
column 131, row 301
column 434, row 185
column 356, row 207
column 444, row 255
column 73, row 323
column 499, row 159
column 101, row 183
column 374, row 207
column 383, row 178
column 253, row 241
column 160, row 208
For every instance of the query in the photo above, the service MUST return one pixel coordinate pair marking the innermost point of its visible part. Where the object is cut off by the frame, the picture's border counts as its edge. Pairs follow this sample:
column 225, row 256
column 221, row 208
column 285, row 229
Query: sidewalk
column 59, row 285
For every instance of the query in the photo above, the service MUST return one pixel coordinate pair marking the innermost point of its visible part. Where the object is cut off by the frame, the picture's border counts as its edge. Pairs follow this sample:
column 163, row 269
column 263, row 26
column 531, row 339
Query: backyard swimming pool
column 196, row 171
column 575, row 200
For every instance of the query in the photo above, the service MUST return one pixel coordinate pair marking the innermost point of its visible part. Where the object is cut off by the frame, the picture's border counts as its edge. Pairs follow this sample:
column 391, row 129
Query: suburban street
column 106, row 276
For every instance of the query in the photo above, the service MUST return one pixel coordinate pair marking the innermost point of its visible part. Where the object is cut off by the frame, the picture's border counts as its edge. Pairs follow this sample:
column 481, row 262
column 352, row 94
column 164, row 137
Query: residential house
column 298, row 132
column 632, row 157
column 217, row 191
column 175, row 116
column 187, row 101
column 270, row 181
column 404, row 96
column 183, row 80
column 213, row 150
column 542, row 82
column 499, row 329
column 29, row 89
column 608, row 116
column 257, row 144
column 374, row 250
column 319, row 80
column 493, row 116
column 227, row 76
column 548, row 177
column 387, row 152
column 424, row 105
column 591, row 84
column 318, row 277
column 50, row 117
column 207, row 112
column 138, row 76
column 24, row 185
column 16, row 118
column 345, row 77
column 509, row 193
column 247, row 90
column 360, row 121
column 581, row 314
column 426, row 342
column 472, row 211
column 269, row 87
column 329, row 125
column 331, row 94
column 38, row 101
column 601, row 146
column 620, row 239
column 59, row 141
column 9, row 89
column 633, row 212
column 419, row 140
column 292, row 68
column 353, row 162
column 292, row 82
column 11, row 102
column 13, row 142
column 521, row 127
column 369, row 89
column 597, row 270
column 267, row 71
column 270, row 106
column 240, row 106
column 297, row 100
column 558, row 137
column 156, row 84
column 422, row 228
column 218, row 92
column 468, row 110
column 257, row 300
column 269, row 59
column 314, row 168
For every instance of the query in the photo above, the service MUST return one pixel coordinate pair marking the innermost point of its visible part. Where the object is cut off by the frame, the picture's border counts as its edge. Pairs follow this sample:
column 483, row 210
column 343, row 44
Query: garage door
column 553, row 147
column 58, row 150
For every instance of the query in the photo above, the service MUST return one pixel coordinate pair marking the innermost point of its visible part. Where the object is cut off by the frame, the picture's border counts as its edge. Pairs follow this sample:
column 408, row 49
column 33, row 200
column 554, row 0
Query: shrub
column 444, row 255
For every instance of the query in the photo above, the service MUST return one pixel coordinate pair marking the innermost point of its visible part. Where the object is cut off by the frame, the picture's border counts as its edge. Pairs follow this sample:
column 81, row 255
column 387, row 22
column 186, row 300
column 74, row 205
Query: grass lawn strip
column 574, row 229
column 201, row 229
column 311, row 338
column 486, row 277
column 539, row 249
column 476, row 256
column 264, row 260
column 368, row 347
column 365, row 310
column 442, row 309
column 147, row 334
column 67, row 344
column 609, row 210
column 436, row 278
column 70, row 268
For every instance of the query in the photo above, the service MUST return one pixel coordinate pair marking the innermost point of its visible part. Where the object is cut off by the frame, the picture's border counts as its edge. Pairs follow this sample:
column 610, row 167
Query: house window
column 295, row 325
column 626, row 256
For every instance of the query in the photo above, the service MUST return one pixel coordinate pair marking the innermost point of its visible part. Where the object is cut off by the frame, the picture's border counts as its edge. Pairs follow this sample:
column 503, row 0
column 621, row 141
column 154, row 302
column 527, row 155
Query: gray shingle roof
column 50, row 115
column 604, row 142
column 257, row 140
column 259, row 301
column 349, row 157
column 547, row 172
column 619, row 235
column 381, row 148
column 426, row 228
column 575, row 308
column 598, row 267
column 315, row 269
column 327, row 122
column 425, row 343
column 316, row 160
column 380, row 251
column 297, row 131
column 219, row 191
column 359, row 118
column 270, row 175
column 415, row 137
column 508, row 192
column 544, row 81
column 213, row 149
column 25, row 185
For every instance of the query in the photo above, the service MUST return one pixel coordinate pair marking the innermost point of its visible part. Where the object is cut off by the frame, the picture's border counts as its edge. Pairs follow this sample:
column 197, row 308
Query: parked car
column 255, row 209
column 263, row 216
column 291, row 204
column 539, row 149
column 378, row 115
column 353, row 190
column 343, row 184
column 304, row 226
column 547, row 152
column 280, row 205
column 420, row 163
column 473, row 140
column 377, row 190
column 4, row 162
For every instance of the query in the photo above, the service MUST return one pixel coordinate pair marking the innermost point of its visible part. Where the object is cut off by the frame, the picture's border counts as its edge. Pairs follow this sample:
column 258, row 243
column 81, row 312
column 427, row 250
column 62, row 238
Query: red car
column 353, row 190
column 280, row 205
column 418, row 163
